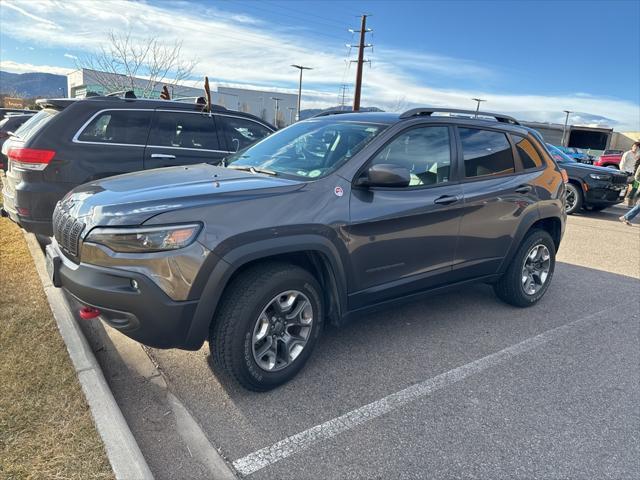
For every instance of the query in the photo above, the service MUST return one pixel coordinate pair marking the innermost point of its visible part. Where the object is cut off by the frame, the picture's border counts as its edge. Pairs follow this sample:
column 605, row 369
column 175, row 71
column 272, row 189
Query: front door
column 183, row 138
column 403, row 240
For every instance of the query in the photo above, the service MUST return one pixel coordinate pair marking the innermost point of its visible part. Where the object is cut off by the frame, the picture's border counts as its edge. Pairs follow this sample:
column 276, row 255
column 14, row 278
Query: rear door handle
column 162, row 155
column 447, row 199
column 523, row 189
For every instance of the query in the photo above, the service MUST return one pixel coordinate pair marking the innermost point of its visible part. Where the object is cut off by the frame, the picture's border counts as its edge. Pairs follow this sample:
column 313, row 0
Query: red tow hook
column 89, row 313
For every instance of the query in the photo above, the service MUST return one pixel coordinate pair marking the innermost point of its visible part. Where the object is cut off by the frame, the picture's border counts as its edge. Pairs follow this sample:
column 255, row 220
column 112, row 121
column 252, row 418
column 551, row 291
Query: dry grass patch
column 46, row 429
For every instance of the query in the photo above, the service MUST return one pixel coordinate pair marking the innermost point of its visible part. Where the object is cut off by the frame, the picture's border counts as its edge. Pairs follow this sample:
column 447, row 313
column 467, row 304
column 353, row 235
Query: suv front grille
column 619, row 179
column 67, row 230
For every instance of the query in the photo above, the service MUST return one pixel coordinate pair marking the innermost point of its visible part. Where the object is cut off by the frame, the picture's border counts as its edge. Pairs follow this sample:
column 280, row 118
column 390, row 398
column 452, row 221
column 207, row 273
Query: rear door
column 241, row 132
column 183, row 138
column 498, row 193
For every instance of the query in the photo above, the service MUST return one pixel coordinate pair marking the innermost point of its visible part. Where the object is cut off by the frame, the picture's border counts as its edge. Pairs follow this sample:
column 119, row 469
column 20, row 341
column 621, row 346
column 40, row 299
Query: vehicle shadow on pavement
column 612, row 214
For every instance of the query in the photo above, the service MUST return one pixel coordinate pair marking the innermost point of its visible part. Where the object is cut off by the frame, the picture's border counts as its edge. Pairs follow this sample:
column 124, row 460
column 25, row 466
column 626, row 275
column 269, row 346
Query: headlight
column 600, row 176
column 145, row 239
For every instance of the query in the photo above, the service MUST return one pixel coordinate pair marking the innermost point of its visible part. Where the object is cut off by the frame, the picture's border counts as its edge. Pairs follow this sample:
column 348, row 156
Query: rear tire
column 252, row 338
column 512, row 286
column 573, row 198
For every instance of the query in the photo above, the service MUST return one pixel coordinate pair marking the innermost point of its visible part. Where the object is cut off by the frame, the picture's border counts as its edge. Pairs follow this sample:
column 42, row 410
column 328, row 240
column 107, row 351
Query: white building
column 261, row 103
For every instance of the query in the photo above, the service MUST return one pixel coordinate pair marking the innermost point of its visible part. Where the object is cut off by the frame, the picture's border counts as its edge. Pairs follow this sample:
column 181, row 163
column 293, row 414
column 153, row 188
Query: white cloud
column 72, row 57
column 233, row 48
column 15, row 67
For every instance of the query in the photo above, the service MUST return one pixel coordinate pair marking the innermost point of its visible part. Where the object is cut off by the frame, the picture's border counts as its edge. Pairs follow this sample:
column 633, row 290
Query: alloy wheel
column 282, row 330
column 535, row 270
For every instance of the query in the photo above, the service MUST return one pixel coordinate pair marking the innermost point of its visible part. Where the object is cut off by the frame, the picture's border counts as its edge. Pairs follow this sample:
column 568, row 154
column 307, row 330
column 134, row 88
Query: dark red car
column 610, row 158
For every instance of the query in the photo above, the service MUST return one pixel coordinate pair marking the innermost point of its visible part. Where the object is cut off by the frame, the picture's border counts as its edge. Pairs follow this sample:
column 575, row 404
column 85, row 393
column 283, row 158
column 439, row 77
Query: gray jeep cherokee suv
column 324, row 219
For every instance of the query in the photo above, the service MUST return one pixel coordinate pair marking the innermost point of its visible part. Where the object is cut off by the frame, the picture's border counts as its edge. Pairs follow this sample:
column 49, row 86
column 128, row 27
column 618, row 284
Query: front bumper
column 128, row 301
column 600, row 195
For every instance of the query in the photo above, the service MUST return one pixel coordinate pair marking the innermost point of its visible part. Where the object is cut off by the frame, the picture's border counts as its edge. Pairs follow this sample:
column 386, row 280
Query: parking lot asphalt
column 457, row 385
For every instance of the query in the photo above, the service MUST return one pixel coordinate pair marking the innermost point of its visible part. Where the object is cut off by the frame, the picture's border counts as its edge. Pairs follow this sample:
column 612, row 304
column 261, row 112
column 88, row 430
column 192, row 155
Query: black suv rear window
column 129, row 127
column 486, row 153
column 35, row 123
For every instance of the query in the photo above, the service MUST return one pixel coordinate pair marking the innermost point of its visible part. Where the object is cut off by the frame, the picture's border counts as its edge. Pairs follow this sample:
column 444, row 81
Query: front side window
column 529, row 156
column 486, row 153
column 241, row 133
column 424, row 151
column 118, row 126
column 184, row 130
column 310, row 149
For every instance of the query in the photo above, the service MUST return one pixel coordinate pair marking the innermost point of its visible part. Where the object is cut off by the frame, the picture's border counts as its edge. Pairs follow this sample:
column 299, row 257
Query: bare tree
column 400, row 104
column 127, row 64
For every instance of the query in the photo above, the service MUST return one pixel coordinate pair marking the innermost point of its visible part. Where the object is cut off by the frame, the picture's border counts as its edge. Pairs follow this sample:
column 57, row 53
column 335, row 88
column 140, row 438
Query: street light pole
column 564, row 129
column 301, row 68
column 479, row 100
column 275, row 118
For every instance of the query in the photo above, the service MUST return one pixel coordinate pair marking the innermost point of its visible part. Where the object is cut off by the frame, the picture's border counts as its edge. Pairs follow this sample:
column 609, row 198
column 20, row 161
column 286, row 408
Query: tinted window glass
column 242, row 133
column 35, row 123
column 425, row 152
column 185, row 130
column 529, row 156
column 485, row 153
column 118, row 126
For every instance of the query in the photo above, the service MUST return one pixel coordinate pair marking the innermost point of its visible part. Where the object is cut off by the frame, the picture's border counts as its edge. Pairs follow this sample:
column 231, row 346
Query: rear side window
column 35, row 124
column 184, row 130
column 529, row 156
column 241, row 133
column 486, row 153
column 129, row 127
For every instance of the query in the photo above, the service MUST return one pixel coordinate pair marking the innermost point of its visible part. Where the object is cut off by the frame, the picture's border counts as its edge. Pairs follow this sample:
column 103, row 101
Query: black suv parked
column 71, row 142
column 590, row 187
column 326, row 218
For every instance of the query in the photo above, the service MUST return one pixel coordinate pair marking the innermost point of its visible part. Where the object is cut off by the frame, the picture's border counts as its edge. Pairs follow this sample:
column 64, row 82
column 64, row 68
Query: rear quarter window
column 529, row 156
column 35, row 124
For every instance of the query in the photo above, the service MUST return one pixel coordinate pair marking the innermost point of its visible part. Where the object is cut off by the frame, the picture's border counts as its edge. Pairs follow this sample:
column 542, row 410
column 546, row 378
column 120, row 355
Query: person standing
column 629, row 164
column 631, row 214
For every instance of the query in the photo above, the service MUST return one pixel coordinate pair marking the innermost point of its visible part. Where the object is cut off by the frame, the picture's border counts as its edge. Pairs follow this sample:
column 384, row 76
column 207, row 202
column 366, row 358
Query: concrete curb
column 123, row 452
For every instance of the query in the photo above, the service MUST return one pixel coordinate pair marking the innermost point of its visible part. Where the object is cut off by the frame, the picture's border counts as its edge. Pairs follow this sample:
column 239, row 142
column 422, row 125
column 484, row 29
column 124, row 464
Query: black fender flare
column 212, row 281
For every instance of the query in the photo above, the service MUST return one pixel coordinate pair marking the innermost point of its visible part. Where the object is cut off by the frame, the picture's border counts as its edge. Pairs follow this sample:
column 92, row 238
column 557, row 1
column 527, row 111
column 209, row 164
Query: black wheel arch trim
column 217, row 272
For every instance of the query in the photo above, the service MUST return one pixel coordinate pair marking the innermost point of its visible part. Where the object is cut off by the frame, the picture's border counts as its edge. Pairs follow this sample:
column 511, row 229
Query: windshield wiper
column 249, row 168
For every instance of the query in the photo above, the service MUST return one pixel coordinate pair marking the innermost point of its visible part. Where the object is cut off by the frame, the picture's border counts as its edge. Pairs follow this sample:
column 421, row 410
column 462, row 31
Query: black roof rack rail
column 415, row 112
column 122, row 94
column 332, row 112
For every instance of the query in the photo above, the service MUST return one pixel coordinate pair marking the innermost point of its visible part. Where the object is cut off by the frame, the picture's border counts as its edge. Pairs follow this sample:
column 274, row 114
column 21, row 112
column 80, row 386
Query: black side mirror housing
column 385, row 175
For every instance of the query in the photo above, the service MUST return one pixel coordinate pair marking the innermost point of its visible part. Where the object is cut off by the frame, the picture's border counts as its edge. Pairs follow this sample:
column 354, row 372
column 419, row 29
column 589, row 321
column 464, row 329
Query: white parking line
column 331, row 428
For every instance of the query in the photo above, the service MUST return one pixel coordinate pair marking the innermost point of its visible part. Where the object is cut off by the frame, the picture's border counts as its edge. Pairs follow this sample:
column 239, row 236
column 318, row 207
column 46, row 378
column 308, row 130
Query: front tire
column 573, row 198
column 528, row 277
column 267, row 325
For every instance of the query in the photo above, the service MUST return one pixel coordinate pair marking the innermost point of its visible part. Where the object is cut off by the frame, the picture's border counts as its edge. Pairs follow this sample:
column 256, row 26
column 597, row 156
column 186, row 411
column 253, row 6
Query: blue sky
column 533, row 59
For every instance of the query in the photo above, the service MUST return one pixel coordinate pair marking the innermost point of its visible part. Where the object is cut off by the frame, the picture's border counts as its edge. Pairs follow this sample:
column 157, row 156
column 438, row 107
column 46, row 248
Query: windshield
column 34, row 124
column 310, row 149
column 559, row 155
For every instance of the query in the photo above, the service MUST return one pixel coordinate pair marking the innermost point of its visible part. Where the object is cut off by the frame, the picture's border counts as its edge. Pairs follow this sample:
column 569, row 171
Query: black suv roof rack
column 416, row 112
column 122, row 94
column 332, row 112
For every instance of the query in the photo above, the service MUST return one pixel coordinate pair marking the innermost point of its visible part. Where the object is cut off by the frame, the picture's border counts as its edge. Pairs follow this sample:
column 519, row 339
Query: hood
column 586, row 169
column 134, row 198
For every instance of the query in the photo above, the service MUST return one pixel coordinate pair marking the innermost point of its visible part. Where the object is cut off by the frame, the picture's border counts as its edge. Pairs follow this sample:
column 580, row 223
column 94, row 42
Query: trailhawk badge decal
column 338, row 191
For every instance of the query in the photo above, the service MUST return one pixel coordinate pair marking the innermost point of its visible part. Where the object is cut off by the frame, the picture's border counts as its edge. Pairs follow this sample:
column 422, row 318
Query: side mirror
column 385, row 175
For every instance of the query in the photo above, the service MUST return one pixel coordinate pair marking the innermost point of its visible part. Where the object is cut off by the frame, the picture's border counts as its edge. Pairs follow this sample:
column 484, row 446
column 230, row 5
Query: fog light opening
column 89, row 313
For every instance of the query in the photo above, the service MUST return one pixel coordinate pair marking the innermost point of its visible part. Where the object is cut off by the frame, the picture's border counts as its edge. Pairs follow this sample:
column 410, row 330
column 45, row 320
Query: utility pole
column 479, row 100
column 564, row 129
column 291, row 110
column 275, row 118
column 361, row 46
column 301, row 68
column 344, row 89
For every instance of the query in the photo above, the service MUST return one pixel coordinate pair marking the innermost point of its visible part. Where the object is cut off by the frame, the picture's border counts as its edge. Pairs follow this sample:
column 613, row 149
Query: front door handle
column 523, row 189
column 446, row 199
column 162, row 155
